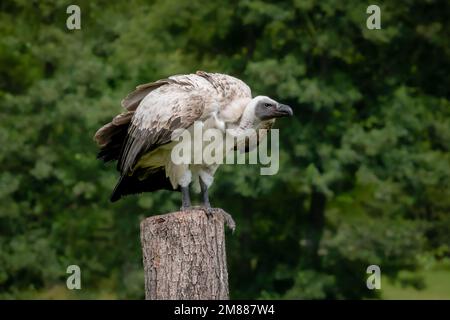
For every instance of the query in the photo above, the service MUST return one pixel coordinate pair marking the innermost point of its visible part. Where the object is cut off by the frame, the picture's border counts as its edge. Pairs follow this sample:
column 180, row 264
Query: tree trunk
column 184, row 255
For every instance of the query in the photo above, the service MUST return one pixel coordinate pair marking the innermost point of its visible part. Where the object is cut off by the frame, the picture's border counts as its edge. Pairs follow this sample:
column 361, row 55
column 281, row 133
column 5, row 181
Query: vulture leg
column 206, row 204
column 185, row 198
column 205, row 197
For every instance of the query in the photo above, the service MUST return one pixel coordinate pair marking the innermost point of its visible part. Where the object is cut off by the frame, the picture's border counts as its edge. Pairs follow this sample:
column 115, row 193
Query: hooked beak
column 284, row 111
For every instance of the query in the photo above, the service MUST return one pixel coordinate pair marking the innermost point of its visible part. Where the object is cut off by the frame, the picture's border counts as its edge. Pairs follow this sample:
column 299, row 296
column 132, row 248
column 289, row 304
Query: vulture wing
column 176, row 104
column 133, row 99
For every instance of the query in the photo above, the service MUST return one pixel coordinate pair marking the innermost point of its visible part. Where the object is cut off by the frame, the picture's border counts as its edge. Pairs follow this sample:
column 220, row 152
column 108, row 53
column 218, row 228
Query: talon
column 209, row 211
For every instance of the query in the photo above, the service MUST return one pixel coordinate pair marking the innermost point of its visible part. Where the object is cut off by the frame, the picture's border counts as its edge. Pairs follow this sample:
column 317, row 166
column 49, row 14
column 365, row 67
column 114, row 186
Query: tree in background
column 364, row 167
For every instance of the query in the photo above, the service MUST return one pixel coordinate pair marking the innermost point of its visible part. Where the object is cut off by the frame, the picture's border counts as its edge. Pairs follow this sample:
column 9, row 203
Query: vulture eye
column 267, row 105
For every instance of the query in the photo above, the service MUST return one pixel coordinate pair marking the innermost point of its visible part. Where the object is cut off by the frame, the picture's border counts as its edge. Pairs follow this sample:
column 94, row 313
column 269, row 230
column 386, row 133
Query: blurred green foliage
column 365, row 165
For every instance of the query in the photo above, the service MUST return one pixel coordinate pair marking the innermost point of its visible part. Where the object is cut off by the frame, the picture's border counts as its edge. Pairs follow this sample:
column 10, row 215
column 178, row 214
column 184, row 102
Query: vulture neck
column 248, row 119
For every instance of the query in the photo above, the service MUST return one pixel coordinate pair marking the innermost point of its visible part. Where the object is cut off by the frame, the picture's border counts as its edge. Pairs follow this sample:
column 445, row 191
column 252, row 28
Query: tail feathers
column 127, row 185
column 110, row 152
column 117, row 192
column 112, row 135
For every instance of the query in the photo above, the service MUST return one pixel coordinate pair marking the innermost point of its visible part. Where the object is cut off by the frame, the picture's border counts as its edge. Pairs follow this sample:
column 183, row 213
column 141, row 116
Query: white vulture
column 141, row 141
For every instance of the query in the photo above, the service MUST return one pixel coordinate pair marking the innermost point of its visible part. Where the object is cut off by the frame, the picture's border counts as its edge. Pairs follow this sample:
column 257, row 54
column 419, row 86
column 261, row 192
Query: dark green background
column 365, row 165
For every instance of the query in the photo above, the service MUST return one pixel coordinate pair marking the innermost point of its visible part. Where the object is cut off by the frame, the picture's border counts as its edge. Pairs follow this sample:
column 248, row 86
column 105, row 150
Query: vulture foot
column 210, row 212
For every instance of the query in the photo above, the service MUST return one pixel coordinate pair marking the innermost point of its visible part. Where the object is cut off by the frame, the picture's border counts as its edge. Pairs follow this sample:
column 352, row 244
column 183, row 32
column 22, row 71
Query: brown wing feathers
column 140, row 141
column 132, row 100
column 146, row 130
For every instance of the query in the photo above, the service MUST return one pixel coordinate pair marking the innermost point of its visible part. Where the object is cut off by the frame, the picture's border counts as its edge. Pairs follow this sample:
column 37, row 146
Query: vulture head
column 266, row 108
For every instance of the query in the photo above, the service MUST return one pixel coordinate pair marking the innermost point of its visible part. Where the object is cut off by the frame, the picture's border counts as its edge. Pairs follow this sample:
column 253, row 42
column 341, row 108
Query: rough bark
column 184, row 255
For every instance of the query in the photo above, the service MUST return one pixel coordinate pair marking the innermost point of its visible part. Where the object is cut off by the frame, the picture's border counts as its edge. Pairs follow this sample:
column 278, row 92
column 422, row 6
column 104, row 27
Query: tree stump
column 184, row 255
